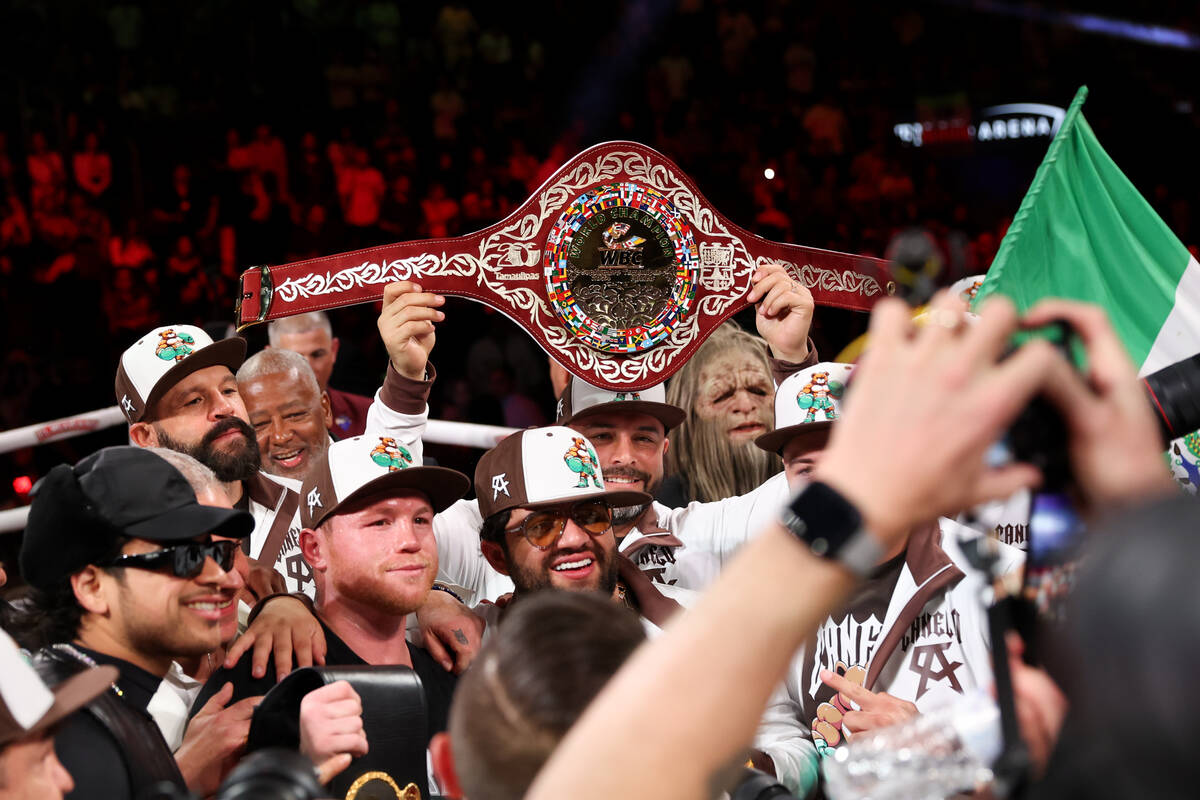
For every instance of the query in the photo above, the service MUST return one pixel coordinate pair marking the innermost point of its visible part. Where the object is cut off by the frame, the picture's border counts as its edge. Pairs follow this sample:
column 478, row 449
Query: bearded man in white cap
column 675, row 547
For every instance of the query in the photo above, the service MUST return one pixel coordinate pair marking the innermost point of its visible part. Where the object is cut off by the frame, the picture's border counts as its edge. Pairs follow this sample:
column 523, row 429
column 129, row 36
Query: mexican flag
column 1084, row 232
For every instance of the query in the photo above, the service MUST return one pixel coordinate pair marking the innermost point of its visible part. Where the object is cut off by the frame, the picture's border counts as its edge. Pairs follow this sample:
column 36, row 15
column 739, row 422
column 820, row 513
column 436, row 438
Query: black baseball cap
column 81, row 512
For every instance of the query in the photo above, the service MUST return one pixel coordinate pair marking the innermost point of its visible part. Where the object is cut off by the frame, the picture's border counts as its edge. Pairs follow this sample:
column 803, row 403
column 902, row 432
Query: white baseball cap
column 543, row 467
column 808, row 400
column 162, row 358
column 581, row 399
column 364, row 466
column 967, row 287
column 28, row 706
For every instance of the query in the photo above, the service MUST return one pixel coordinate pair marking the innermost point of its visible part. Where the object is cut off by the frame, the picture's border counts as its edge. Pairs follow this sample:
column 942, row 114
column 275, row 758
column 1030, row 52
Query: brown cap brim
column 774, row 441
column 669, row 415
column 442, row 486
column 228, row 352
column 71, row 695
column 616, row 499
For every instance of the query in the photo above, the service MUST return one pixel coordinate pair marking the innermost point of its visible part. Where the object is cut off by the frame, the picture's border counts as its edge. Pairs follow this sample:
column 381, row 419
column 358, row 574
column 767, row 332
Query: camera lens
column 1175, row 396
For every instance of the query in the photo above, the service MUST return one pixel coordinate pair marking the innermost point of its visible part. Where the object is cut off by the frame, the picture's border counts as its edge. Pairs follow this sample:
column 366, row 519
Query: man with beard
column 678, row 547
column 546, row 531
column 368, row 534
column 178, row 390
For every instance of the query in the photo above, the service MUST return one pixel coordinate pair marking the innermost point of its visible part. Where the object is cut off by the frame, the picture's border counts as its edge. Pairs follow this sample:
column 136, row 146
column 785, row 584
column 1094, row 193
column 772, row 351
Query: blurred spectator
column 46, row 175
column 266, row 154
column 184, row 211
column 312, row 180
column 186, row 287
column 455, row 29
column 447, row 106
column 361, row 189
column 519, row 410
column 92, row 167
column 129, row 249
column 129, row 305
column 440, row 213
column 400, row 218
column 313, row 237
column 15, row 230
column 827, row 126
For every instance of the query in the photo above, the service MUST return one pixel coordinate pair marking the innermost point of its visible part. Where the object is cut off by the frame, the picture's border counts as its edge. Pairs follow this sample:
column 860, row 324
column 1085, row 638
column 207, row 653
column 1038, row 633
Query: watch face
column 829, row 519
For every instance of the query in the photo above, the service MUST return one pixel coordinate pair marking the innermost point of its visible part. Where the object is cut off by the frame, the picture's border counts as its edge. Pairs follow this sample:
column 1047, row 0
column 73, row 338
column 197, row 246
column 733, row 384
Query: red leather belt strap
column 511, row 265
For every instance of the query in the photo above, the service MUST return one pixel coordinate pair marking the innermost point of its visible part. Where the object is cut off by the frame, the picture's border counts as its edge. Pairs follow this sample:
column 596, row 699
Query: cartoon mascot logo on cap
column 172, row 345
column 826, row 727
column 582, row 459
column 818, row 395
column 391, row 454
column 627, row 396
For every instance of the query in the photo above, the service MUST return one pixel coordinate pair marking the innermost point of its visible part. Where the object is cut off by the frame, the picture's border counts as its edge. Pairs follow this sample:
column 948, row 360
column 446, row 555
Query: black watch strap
column 831, row 526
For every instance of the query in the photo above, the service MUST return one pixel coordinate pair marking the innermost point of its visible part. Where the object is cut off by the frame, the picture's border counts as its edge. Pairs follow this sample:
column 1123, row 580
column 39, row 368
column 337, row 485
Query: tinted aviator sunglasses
column 182, row 560
column 543, row 527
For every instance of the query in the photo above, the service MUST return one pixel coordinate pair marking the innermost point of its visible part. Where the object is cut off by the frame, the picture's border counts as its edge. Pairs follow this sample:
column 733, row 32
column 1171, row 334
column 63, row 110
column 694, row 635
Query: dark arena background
column 151, row 151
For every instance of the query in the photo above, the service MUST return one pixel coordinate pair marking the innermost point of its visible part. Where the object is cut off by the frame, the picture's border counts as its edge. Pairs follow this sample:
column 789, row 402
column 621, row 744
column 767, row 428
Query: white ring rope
column 438, row 431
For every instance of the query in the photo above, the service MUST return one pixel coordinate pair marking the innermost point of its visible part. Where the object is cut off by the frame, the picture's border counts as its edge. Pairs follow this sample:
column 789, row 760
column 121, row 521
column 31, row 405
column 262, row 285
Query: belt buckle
column 266, row 292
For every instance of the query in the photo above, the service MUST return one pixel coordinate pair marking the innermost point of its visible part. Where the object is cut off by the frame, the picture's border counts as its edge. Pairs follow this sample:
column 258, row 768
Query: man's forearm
column 744, row 631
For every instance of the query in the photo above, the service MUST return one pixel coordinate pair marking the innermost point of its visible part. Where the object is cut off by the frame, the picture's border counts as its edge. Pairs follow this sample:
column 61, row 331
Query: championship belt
column 617, row 266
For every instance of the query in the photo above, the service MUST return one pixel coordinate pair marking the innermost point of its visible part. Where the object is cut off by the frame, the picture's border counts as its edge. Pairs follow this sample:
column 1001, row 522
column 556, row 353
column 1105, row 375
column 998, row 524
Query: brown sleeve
column 404, row 395
column 780, row 369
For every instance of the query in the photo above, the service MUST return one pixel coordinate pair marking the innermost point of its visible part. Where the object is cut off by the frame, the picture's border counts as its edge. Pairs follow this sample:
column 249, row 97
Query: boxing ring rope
column 437, row 431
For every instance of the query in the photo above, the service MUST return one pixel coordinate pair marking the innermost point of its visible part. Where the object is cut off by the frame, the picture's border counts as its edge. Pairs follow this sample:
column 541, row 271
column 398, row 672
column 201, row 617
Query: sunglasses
column 181, row 560
column 543, row 527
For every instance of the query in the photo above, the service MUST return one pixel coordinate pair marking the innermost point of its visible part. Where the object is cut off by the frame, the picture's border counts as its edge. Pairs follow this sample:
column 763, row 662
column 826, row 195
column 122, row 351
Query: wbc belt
column 617, row 266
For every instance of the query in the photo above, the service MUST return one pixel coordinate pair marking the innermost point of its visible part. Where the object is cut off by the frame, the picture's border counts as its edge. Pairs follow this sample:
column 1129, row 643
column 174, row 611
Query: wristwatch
column 832, row 528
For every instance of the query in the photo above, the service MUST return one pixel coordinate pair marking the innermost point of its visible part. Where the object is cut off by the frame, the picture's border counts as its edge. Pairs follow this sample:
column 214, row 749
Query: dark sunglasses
column 543, row 527
column 182, row 560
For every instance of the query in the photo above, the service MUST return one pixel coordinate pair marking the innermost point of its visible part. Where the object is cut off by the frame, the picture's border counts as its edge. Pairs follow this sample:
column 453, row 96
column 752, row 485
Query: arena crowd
column 729, row 584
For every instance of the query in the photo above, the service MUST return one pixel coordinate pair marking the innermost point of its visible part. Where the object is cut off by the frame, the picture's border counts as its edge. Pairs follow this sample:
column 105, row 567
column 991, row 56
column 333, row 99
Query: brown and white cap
column 543, row 467
column 581, row 399
column 365, row 466
column 807, row 401
column 28, row 706
column 162, row 358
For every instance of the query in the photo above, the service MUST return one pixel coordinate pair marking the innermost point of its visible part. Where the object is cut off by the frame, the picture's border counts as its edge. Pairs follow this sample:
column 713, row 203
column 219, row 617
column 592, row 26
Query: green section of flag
column 1084, row 232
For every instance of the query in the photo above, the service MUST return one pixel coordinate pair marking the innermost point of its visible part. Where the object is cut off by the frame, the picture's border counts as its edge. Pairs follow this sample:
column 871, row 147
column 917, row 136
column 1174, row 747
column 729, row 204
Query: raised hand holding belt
column 617, row 266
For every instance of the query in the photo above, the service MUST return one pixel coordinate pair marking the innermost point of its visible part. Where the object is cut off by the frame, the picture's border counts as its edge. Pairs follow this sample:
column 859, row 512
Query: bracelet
column 439, row 587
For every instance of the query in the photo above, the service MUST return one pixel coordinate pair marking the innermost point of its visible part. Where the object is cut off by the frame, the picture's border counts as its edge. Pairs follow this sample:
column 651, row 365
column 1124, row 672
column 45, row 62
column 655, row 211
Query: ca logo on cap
column 499, row 484
column 391, row 454
column 313, row 500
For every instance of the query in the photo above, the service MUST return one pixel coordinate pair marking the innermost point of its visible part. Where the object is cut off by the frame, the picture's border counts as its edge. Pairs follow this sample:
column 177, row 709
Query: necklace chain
column 83, row 658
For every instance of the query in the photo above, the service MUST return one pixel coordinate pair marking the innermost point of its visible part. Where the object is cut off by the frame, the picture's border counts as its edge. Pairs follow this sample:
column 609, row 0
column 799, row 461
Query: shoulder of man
column 439, row 685
column 93, row 758
column 244, row 683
